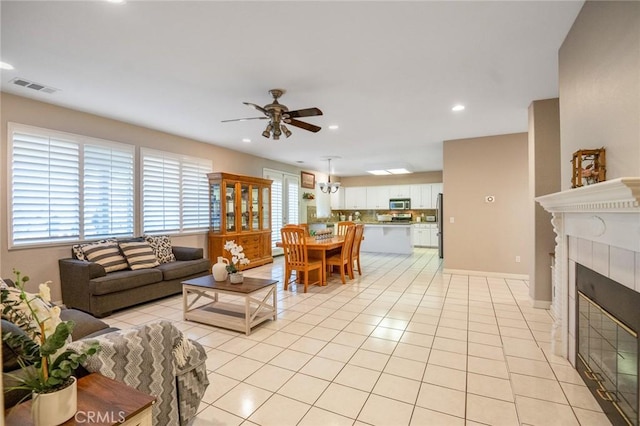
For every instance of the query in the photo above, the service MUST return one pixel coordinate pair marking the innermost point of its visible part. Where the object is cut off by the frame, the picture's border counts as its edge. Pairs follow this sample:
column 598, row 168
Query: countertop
column 330, row 224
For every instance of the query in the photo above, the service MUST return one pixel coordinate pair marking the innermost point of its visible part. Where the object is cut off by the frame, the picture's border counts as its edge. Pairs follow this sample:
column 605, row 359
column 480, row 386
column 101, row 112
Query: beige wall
column 41, row 264
column 544, row 178
column 486, row 236
column 599, row 77
column 371, row 180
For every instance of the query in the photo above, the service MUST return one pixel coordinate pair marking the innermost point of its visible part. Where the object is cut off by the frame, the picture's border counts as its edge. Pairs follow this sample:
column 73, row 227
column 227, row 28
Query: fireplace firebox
column 607, row 325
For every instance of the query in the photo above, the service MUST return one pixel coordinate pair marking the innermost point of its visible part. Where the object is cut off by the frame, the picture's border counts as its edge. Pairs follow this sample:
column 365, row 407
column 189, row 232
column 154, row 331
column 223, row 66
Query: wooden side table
column 101, row 402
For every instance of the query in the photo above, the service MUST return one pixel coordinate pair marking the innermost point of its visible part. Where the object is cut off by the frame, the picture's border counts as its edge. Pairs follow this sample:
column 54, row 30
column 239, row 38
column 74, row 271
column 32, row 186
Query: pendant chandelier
column 329, row 187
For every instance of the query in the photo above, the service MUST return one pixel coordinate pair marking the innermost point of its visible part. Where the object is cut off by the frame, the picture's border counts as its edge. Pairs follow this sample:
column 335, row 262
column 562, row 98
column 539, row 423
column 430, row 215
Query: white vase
column 236, row 278
column 55, row 408
column 219, row 270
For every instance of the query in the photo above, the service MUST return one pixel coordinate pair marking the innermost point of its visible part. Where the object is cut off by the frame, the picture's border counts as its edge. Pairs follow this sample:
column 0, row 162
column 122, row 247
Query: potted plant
column 308, row 196
column 238, row 259
column 42, row 345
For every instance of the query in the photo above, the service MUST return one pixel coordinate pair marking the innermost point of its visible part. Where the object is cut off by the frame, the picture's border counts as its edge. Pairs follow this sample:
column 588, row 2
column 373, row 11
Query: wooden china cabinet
column 240, row 210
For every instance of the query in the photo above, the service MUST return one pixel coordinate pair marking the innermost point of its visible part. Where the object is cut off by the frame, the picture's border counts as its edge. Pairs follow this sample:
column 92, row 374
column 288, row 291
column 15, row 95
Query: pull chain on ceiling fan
column 279, row 115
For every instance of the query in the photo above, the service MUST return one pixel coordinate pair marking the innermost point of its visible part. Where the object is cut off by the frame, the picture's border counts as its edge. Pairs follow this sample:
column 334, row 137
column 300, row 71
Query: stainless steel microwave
column 400, row 204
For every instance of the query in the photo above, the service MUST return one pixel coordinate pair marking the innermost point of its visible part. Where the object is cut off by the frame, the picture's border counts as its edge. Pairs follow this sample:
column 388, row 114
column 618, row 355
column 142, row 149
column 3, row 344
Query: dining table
column 318, row 249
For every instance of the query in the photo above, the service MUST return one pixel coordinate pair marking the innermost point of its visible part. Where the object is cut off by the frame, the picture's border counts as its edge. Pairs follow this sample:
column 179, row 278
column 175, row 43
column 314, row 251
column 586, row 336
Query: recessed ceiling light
column 457, row 108
column 116, row 1
column 5, row 66
column 246, row 140
column 334, row 127
column 378, row 172
column 402, row 171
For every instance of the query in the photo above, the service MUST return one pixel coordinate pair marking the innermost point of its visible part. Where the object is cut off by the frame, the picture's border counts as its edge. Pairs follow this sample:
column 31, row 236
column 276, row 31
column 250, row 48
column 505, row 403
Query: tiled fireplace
column 598, row 227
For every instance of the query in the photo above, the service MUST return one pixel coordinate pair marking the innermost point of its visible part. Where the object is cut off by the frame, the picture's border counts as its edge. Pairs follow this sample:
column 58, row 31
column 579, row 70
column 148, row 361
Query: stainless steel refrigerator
column 439, row 206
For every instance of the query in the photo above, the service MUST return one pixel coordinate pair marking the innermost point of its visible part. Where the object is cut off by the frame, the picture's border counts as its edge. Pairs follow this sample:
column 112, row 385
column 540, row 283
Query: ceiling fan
column 279, row 115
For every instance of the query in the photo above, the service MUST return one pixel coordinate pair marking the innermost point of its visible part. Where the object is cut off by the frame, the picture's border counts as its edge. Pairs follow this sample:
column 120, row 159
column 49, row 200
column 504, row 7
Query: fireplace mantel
column 597, row 226
column 617, row 195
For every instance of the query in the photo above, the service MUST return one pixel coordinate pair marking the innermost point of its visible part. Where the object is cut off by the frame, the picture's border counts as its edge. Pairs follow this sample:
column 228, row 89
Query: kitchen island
column 387, row 238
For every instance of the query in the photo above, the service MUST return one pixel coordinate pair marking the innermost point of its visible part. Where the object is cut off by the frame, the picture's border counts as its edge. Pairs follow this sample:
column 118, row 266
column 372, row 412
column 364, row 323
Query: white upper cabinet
column 377, row 197
column 337, row 199
column 399, row 191
column 421, row 196
column 355, row 197
column 436, row 188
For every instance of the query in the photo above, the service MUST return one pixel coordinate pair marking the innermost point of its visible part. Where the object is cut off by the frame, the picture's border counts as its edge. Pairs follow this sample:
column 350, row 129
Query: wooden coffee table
column 234, row 316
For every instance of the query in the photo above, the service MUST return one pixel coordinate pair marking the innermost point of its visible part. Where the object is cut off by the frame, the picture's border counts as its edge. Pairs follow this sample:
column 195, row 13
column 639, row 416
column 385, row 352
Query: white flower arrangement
column 238, row 258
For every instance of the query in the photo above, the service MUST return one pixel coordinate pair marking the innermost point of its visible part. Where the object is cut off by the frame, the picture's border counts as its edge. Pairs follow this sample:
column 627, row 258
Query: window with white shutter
column 67, row 188
column 284, row 202
column 175, row 193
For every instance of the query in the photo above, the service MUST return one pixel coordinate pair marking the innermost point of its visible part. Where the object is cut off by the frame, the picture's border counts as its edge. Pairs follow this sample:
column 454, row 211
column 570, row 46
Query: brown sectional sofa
column 87, row 287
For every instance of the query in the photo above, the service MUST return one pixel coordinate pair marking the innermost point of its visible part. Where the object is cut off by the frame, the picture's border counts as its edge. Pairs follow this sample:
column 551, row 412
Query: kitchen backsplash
column 365, row 215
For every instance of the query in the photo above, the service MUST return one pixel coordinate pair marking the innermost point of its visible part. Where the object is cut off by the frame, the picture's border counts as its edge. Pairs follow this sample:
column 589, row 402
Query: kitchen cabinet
column 240, row 210
column 436, row 188
column 421, row 196
column 337, row 199
column 399, row 191
column 425, row 235
column 377, row 197
column 355, row 197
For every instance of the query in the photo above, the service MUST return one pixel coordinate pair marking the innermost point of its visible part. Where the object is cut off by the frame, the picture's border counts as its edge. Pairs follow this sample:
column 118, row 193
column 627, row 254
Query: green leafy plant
column 42, row 345
column 308, row 195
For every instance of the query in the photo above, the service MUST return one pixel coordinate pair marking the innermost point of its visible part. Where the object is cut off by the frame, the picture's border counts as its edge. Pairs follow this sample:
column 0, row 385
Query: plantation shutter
column 108, row 190
column 45, row 189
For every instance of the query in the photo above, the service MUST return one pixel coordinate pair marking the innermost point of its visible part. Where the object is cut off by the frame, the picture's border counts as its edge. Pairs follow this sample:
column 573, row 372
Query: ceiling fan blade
column 301, row 124
column 307, row 112
column 245, row 119
column 258, row 107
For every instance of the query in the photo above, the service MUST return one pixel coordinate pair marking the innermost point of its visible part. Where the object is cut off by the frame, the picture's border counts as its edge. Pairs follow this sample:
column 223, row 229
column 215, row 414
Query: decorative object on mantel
column 42, row 344
column 329, row 187
column 308, row 196
column 589, row 167
column 238, row 259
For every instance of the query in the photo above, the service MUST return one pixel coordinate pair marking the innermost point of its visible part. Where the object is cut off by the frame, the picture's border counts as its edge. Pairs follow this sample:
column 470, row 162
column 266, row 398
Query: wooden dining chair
column 341, row 227
column 296, row 256
column 355, row 250
column 343, row 258
column 304, row 226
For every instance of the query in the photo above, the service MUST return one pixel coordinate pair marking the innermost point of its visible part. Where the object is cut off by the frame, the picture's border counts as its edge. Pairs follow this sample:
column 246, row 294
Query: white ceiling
column 387, row 73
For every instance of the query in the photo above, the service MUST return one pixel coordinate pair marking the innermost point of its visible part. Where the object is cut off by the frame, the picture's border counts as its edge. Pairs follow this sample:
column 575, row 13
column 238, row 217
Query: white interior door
column 285, row 203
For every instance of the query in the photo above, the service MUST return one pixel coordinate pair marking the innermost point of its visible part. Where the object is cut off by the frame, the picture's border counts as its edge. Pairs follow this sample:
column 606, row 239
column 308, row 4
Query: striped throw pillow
column 139, row 255
column 106, row 254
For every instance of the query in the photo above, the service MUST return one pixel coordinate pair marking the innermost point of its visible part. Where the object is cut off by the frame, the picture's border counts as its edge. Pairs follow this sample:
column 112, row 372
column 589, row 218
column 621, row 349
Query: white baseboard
column 486, row 274
column 541, row 304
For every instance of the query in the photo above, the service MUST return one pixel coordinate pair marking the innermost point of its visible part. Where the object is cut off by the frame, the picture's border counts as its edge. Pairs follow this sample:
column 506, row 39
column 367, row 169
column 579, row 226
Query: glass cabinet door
column 244, row 206
column 266, row 213
column 216, row 207
column 255, row 208
column 230, row 189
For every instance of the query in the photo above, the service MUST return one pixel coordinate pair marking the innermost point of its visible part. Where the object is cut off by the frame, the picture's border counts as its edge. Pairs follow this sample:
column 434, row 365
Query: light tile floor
column 403, row 344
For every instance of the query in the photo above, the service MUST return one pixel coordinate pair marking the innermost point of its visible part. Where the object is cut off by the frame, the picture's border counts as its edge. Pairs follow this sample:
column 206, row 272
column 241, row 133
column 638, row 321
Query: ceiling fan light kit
column 279, row 115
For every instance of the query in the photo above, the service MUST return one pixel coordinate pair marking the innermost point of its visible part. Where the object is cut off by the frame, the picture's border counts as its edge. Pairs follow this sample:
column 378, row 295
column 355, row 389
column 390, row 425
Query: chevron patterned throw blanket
column 156, row 359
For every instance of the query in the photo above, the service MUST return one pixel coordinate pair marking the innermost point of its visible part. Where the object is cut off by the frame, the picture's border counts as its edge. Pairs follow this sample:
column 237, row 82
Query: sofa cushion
column 183, row 268
column 124, row 280
column 77, row 252
column 85, row 324
column 161, row 246
column 9, row 357
column 105, row 254
column 139, row 255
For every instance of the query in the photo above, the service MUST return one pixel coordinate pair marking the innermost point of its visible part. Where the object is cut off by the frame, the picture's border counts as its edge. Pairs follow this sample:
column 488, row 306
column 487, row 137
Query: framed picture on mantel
column 307, row 180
